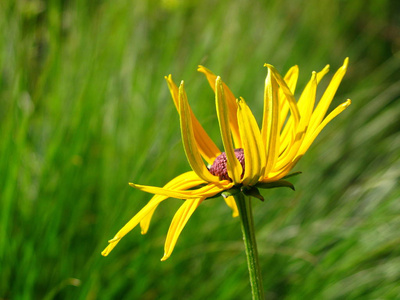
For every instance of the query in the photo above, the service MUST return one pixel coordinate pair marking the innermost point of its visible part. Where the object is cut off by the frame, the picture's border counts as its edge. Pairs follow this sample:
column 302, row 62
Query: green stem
column 246, row 217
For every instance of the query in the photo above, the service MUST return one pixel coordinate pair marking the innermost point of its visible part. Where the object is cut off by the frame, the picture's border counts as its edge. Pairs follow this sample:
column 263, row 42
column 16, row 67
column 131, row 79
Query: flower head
column 252, row 157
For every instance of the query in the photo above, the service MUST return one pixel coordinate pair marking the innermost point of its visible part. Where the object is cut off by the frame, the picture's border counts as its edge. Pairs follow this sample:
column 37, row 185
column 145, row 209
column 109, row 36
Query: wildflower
column 252, row 158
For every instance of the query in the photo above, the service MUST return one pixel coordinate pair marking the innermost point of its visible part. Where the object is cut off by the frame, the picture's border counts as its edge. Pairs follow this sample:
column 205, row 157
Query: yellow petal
column 287, row 93
column 327, row 97
column 189, row 142
column 230, row 201
column 207, row 191
column 179, row 221
column 206, row 146
column 291, row 80
column 182, row 182
column 234, row 167
column 270, row 128
column 253, row 146
column 286, row 136
column 231, row 103
column 132, row 223
column 307, row 98
column 309, row 139
column 322, row 73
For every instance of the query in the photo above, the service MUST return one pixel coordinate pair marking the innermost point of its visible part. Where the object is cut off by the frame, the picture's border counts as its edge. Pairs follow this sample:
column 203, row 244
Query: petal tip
column 268, row 66
column 347, row 103
column 106, row 251
column 345, row 63
column 165, row 257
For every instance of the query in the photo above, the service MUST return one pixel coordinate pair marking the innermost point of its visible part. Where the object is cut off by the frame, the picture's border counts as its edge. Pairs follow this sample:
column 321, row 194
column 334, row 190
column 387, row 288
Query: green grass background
column 84, row 109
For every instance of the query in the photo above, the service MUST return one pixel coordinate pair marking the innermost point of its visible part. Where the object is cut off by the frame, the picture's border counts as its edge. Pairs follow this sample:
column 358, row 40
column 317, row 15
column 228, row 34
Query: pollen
column 219, row 167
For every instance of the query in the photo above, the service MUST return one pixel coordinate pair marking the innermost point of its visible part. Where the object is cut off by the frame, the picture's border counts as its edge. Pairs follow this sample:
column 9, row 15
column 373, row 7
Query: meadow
column 85, row 109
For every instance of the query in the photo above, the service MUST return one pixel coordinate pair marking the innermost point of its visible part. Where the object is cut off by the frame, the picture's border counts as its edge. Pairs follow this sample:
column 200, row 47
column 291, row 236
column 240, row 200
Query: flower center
column 219, row 169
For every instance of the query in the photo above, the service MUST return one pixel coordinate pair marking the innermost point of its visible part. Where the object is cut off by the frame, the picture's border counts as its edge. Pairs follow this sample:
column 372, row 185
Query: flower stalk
column 246, row 217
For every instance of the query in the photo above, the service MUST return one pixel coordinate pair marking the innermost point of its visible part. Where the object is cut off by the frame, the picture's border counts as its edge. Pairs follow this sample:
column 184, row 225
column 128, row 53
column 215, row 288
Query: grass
column 84, row 109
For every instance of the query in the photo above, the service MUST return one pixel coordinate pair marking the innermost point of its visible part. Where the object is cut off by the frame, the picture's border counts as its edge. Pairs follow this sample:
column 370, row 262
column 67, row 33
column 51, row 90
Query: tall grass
column 84, row 109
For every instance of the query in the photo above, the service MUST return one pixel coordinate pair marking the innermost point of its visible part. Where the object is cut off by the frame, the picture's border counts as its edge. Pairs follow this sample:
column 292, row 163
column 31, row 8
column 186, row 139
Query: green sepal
column 292, row 174
column 253, row 192
column 231, row 192
column 275, row 184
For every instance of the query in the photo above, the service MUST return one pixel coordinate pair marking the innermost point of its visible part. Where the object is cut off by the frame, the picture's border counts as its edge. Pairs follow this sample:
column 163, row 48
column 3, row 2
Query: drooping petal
column 231, row 103
column 189, row 141
column 206, row 146
column 270, row 128
column 210, row 190
column 182, row 182
column 230, row 201
column 327, row 97
column 234, row 167
column 179, row 221
column 132, row 223
column 253, row 145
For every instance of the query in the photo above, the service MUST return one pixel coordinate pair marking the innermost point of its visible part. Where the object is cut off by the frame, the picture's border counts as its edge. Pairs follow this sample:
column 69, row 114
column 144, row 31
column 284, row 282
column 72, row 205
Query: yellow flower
column 252, row 157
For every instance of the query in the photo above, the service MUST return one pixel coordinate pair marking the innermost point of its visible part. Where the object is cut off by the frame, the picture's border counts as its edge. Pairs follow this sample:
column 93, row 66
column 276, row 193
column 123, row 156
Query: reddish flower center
column 219, row 169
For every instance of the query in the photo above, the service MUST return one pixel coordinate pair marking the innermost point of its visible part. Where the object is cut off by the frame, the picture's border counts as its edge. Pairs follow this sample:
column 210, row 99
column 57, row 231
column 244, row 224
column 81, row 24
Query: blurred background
column 84, row 109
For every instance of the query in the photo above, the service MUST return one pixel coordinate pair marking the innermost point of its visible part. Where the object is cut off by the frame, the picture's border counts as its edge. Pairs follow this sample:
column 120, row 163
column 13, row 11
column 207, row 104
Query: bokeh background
column 84, row 109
